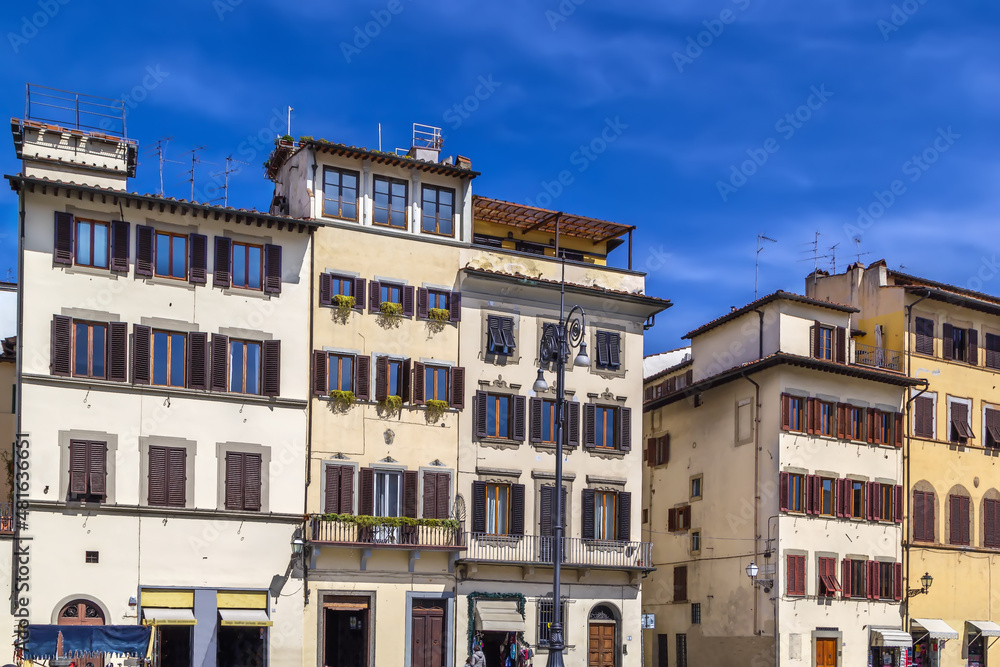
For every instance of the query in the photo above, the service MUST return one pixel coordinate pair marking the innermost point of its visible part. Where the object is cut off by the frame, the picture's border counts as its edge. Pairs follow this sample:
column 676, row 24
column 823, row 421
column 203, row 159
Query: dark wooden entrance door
column 602, row 645
column 826, row 653
column 427, row 649
column 83, row 612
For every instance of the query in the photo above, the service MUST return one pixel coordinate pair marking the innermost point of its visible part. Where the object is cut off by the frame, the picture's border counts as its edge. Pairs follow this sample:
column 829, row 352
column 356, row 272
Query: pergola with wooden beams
column 558, row 223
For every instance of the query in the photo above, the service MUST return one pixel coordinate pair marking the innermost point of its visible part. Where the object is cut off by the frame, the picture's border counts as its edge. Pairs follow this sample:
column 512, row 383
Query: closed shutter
column 680, row 584
column 455, row 307
column 157, row 476
column 624, row 516
column 948, row 341
column 574, row 423
column 363, row 377
column 842, row 420
column 62, row 248
column 479, row 507
column 360, row 291
column 535, row 409
column 381, row 378
column 272, row 269
column 430, row 495
column 443, row 499
column 973, row 347
column 271, row 365
column 118, row 351
column 119, row 246
column 198, row 354
column 919, row 518
column 897, row 514
column 625, row 430
column 320, row 367
column 220, row 362
column 366, row 499
column 176, row 476
column 223, row 262
column 407, row 298
column 786, row 412
column 252, row 482
column 520, row 417
column 374, row 296
column 331, row 499
column 929, row 517
column 546, row 506
column 841, row 345
column 587, row 514
column 419, row 377
column 78, row 466
column 966, row 520
column 991, row 521
column 144, row 251
column 482, row 399
column 921, row 406
column 61, row 359
column 97, row 473
column 590, row 425
column 517, row 509
column 614, row 347
column 326, row 290
column 410, row 493
column 346, row 490
column 198, row 274
column 925, row 336
column 954, row 531
column 422, row 305
column 141, row 361
column 458, row 388
column 783, row 491
column 234, row 481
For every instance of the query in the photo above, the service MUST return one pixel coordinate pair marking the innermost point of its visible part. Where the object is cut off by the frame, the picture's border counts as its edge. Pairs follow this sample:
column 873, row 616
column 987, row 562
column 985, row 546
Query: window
column 883, row 427
column 389, row 208
column 991, row 419
column 795, row 575
column 658, row 450
column 961, row 431
column 682, row 651
column 828, row 584
column 827, row 496
column 885, row 502
column 243, row 481
column 340, row 193
column 498, row 417
column 992, row 351
column 338, row 493
column 695, row 541
column 744, row 421
column 696, row 487
column 923, row 417
column 956, row 341
column 92, row 557
column 244, row 367
column 958, row 516
column 390, row 293
column 438, row 300
column 886, row 581
column 438, row 211
column 923, row 516
column 792, row 492
column 925, row 336
column 793, row 416
column 167, row 476
column 342, row 285
column 606, row 515
column 500, row 335
column 824, row 340
column 497, row 508
column 856, row 500
column 680, row 583
column 529, row 247
column 856, row 585
column 388, row 493
column 92, row 243
column 679, row 518
column 825, row 420
column 436, row 383
column 608, row 350
column 548, row 421
column 856, row 423
column 394, row 377
column 695, row 613
column 604, row 427
column 171, row 255
column 168, row 358
column 87, row 470
column 991, row 523
column 545, row 614
column 248, row 263
column 341, row 372
column 90, row 349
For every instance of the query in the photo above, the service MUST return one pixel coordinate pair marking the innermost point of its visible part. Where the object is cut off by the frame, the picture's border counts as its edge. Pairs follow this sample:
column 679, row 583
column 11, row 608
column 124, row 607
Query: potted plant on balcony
column 344, row 304
column 391, row 404
column 435, row 409
column 343, row 400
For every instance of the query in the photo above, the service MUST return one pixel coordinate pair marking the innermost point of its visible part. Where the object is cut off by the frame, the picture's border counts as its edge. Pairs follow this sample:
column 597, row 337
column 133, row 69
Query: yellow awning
column 165, row 616
column 244, row 617
column 498, row 616
column 935, row 628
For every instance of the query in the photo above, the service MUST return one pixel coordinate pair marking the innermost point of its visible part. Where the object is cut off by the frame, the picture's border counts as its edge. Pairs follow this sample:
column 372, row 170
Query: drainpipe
column 906, row 450
column 309, row 411
column 19, row 365
column 756, row 488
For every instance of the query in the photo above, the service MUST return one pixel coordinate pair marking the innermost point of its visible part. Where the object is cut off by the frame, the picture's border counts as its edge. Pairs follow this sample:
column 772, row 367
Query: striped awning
column 986, row 628
column 935, row 628
column 891, row 638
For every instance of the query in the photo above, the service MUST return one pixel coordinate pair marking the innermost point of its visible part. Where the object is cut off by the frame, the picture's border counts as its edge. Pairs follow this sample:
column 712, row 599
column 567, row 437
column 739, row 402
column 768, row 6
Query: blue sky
column 824, row 104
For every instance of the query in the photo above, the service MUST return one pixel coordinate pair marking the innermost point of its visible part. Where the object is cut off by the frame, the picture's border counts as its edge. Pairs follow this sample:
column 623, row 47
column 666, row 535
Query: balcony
column 367, row 533
column 878, row 357
column 530, row 550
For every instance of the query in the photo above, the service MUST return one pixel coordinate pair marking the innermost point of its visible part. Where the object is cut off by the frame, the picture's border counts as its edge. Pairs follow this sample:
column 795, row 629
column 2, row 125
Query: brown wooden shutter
column 363, row 377
column 443, row 495
column 366, row 499
column 61, row 355
column 458, row 387
column 422, row 305
column 810, row 415
column 62, row 248
column 223, row 262
column 482, row 398
column 198, row 273
column 478, row 507
column 220, row 362
column 118, row 351
column 374, row 296
column 78, row 467
column 407, row 299
column 590, row 425
column 326, row 290
column 897, row 430
column 406, row 380
column 650, row 454
column 966, row 520
column 920, row 408
column 97, row 471
column 546, row 505
column 897, row 581
column 948, row 341
column 587, row 513
column 419, row 379
column 455, row 307
column 410, row 481
column 535, row 428
column 786, row 412
column 875, row 579
column 954, row 531
column 234, row 481
column 991, row 522
column 573, row 421
column 897, row 514
column 625, row 430
column 198, row 354
column 157, row 476
column 817, row 494
column 672, row 519
column 272, row 269
column 845, row 579
column 517, row 509
column 680, row 583
column 141, row 351
column 520, row 417
column 381, row 378
column 346, row 490
column 176, row 476
column 817, row 332
column 320, row 364
column 144, row 236
column 252, row 482
column 331, row 494
column 841, row 354
column 973, row 347
column 842, row 497
column 919, row 517
column 841, row 420
column 119, row 246
column 783, row 491
column 430, row 495
column 360, row 292
column 624, row 516
column 271, row 366
column 871, row 424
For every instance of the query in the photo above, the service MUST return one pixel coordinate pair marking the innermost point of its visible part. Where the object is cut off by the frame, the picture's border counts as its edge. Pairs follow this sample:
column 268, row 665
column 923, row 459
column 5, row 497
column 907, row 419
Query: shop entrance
column 173, row 645
column 241, row 646
column 882, row 656
column 345, row 631
column 977, row 651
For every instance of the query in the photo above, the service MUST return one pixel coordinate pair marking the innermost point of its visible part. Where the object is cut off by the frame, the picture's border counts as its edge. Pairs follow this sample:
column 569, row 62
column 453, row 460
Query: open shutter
column 455, row 307
column 326, row 290
column 118, row 351
column 405, row 380
column 331, row 494
column 272, row 269
column 422, row 298
column 520, row 417
column 198, row 274
column 517, row 509
column 97, row 455
column 366, row 501
column 360, row 292
column 141, row 359
column 811, row 410
column 419, row 377
column 119, row 246
column 223, row 262
column 458, row 387
column 817, row 337
column 590, row 425
column 841, row 345
column 144, row 251
column 783, row 491
column 817, row 494
column 271, row 364
column 786, row 412
column 234, row 481
column 481, row 400
column 478, row 507
column 624, row 516
column 407, row 298
column 535, row 429
column 841, row 420
column 672, row 519
column 587, row 529
column 61, row 360
column 381, row 378
column 320, row 366
column 374, row 296
column 625, row 430
column 430, row 495
column 251, row 482
column 650, row 454
column 410, row 493
column 62, row 248
column 157, row 476
column 898, row 505
column 573, row 409
column 973, row 347
column 897, row 430
column 346, row 490
column 363, row 377
column 78, row 466
column 875, row 580
column 948, row 341
column 843, row 494
column 220, row 362
column 897, row 581
column 871, row 425
column 845, row 578
column 197, row 376
column 176, row 477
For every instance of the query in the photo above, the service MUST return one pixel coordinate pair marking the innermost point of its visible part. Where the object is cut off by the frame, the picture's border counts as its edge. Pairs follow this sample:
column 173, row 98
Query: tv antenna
column 815, row 256
column 195, row 160
column 857, row 248
column 225, row 173
column 159, row 149
column 756, row 268
column 833, row 258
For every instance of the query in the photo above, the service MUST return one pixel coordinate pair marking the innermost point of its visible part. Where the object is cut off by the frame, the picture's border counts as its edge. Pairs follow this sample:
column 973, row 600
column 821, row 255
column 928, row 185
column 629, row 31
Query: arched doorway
column 83, row 612
column 602, row 636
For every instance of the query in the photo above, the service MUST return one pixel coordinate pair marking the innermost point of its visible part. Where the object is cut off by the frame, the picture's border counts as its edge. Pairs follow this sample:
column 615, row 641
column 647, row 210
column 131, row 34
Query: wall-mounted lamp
column 925, row 583
column 752, row 571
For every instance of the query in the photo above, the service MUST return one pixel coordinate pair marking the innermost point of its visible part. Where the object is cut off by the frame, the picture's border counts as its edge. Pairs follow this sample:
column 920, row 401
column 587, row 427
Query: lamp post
column 558, row 340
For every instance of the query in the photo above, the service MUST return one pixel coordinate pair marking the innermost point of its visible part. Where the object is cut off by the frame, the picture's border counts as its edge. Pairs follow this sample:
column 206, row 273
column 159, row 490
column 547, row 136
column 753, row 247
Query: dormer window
column 389, row 208
column 438, row 211
column 340, row 193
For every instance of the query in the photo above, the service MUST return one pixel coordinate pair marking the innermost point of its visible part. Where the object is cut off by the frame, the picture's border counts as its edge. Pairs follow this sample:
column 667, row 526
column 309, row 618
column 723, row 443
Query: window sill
column 164, row 280
column 500, row 443
column 606, row 453
column 244, row 291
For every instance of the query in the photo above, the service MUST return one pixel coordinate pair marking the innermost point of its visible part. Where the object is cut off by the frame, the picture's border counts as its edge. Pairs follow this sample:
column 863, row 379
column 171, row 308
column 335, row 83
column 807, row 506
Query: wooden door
column 427, row 649
column 826, row 653
column 602, row 645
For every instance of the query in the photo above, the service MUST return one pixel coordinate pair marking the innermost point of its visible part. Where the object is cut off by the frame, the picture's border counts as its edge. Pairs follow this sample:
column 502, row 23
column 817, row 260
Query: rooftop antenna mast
column 380, row 137
column 159, row 149
column 194, row 161
column 289, row 132
column 857, row 248
column 815, row 256
column 225, row 173
column 756, row 269
column 833, row 258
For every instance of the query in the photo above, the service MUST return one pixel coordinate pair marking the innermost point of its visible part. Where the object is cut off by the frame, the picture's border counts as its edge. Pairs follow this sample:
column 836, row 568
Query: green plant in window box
column 392, row 403
column 343, row 399
column 394, row 521
column 390, row 309
column 435, row 409
column 439, row 314
column 344, row 304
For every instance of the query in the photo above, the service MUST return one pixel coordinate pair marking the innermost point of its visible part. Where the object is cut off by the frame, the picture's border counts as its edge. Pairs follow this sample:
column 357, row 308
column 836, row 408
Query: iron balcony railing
column 332, row 531
column 538, row 550
column 878, row 357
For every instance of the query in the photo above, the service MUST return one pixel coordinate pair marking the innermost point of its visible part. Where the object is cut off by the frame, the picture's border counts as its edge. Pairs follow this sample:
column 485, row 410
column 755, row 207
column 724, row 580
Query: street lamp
column 925, row 583
column 557, row 342
column 752, row 571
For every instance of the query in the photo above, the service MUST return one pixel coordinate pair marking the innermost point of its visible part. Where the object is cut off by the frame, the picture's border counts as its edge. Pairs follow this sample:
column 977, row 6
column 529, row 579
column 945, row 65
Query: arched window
column 81, row 612
column 602, row 612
